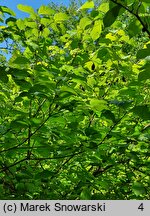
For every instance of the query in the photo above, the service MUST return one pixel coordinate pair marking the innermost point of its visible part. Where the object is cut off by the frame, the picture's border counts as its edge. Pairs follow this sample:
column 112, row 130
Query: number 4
column 141, row 207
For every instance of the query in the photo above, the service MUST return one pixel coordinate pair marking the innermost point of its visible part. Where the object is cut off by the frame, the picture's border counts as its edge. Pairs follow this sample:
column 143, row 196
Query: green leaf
column 68, row 89
column 21, row 60
column 85, row 21
column 130, row 2
column 38, row 88
column 45, row 10
column 23, row 84
column 138, row 188
column 25, row 8
column 109, row 115
column 98, row 105
column 11, row 21
column 145, row 74
column 21, row 24
column 85, row 194
column 134, row 28
column 87, row 5
column 96, row 31
column 142, row 111
column 18, row 124
column 3, row 75
column 18, row 73
column 59, row 17
column 104, row 7
column 7, row 10
column 143, row 53
column 111, row 16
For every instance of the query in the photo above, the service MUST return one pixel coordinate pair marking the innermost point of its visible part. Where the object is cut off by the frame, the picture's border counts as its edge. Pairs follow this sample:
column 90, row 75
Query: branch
column 111, row 128
column 136, row 15
column 40, row 159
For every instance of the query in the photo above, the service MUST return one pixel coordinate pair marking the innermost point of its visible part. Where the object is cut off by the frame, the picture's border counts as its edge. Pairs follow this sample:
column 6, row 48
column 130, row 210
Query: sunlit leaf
column 7, row 10
column 96, row 31
column 87, row 5
column 25, row 8
column 85, row 21
column 59, row 17
column 45, row 10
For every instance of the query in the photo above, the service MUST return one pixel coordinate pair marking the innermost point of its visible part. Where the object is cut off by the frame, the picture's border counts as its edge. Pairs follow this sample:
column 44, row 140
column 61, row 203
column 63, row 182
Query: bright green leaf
column 98, row 105
column 96, row 31
column 87, row 5
column 21, row 24
column 59, row 17
column 104, row 7
column 85, row 21
column 7, row 10
column 25, row 8
column 45, row 10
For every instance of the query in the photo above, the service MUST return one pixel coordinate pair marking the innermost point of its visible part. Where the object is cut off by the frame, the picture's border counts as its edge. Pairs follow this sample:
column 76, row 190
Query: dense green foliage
column 75, row 102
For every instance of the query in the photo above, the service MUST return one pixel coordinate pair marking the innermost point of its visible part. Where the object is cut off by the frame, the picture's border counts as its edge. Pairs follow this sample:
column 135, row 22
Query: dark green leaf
column 143, row 53
column 3, row 75
column 111, row 16
column 143, row 111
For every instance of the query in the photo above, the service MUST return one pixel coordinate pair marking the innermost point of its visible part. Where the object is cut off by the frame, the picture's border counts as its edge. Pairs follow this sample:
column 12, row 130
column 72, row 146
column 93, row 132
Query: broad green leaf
column 143, row 111
column 91, row 81
column 18, row 73
column 46, row 10
column 96, row 31
column 20, row 187
column 111, row 16
column 85, row 21
column 25, row 8
column 30, row 24
column 59, row 17
column 68, row 89
column 21, row 60
column 46, row 32
column 21, row 24
column 45, row 21
column 7, row 10
column 87, row 5
column 85, row 194
column 17, row 124
column 145, row 74
column 143, row 53
column 38, row 88
column 134, row 28
column 98, row 105
column 11, row 21
column 104, row 7
column 138, row 189
column 58, row 121
column 147, row 1
column 23, row 84
column 109, row 115
column 3, row 75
